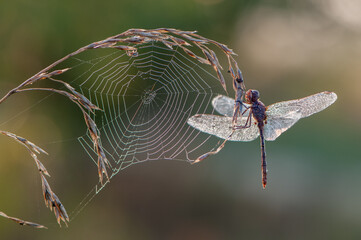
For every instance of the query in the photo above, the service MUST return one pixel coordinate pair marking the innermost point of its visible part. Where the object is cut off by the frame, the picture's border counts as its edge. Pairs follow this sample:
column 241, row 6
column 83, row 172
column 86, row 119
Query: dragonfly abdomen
column 263, row 155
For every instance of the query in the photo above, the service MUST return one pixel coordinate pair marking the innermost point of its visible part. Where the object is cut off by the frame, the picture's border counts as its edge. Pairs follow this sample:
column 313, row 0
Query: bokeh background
column 286, row 49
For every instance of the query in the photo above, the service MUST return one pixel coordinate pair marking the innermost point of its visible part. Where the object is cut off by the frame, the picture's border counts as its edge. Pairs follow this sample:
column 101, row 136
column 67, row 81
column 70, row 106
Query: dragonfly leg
column 237, row 111
column 246, row 125
column 247, row 108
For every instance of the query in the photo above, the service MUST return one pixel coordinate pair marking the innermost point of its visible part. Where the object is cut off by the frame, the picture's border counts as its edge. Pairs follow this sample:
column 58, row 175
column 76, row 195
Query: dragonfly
column 268, row 122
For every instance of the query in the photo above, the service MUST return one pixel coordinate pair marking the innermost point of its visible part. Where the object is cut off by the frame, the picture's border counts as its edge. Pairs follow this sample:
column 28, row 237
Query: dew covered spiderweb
column 147, row 84
column 146, row 101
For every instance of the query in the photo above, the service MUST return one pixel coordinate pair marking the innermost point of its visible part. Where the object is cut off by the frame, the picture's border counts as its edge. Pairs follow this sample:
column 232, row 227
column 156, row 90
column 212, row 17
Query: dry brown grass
column 51, row 200
column 126, row 41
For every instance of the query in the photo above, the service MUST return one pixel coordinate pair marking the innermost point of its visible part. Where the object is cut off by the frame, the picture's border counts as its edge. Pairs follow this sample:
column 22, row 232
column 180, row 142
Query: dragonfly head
column 252, row 96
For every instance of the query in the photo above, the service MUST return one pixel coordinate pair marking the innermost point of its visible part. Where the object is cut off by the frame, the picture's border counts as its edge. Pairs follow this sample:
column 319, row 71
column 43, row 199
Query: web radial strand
column 146, row 102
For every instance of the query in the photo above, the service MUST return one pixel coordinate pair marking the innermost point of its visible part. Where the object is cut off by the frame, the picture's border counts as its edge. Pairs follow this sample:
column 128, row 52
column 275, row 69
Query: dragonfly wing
column 305, row 106
column 223, row 105
column 221, row 127
column 277, row 124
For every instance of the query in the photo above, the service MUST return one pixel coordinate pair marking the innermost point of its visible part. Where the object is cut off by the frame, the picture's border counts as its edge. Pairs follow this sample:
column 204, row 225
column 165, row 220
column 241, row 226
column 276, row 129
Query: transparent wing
column 221, row 127
column 305, row 106
column 277, row 124
column 223, row 105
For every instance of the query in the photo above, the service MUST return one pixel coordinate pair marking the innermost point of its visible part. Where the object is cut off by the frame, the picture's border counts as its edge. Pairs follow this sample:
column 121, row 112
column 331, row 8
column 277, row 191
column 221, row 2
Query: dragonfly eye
column 255, row 95
column 252, row 96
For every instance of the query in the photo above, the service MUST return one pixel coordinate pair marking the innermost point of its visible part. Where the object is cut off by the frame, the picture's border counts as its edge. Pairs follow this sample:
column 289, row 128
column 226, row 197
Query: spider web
column 146, row 101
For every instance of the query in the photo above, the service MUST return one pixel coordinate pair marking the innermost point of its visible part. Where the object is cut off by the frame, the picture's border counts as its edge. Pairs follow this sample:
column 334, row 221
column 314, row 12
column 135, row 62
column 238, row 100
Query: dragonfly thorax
column 258, row 109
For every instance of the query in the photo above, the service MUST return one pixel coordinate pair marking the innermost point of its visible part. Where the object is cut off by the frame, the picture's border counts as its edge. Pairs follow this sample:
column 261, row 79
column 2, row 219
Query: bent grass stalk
column 126, row 41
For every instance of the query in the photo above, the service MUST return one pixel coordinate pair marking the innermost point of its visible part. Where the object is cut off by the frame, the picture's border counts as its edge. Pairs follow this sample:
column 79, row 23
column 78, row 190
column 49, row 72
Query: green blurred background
column 286, row 49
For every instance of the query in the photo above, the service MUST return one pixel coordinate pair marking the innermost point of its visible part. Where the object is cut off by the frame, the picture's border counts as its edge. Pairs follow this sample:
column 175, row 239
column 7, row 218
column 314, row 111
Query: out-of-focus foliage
column 286, row 49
